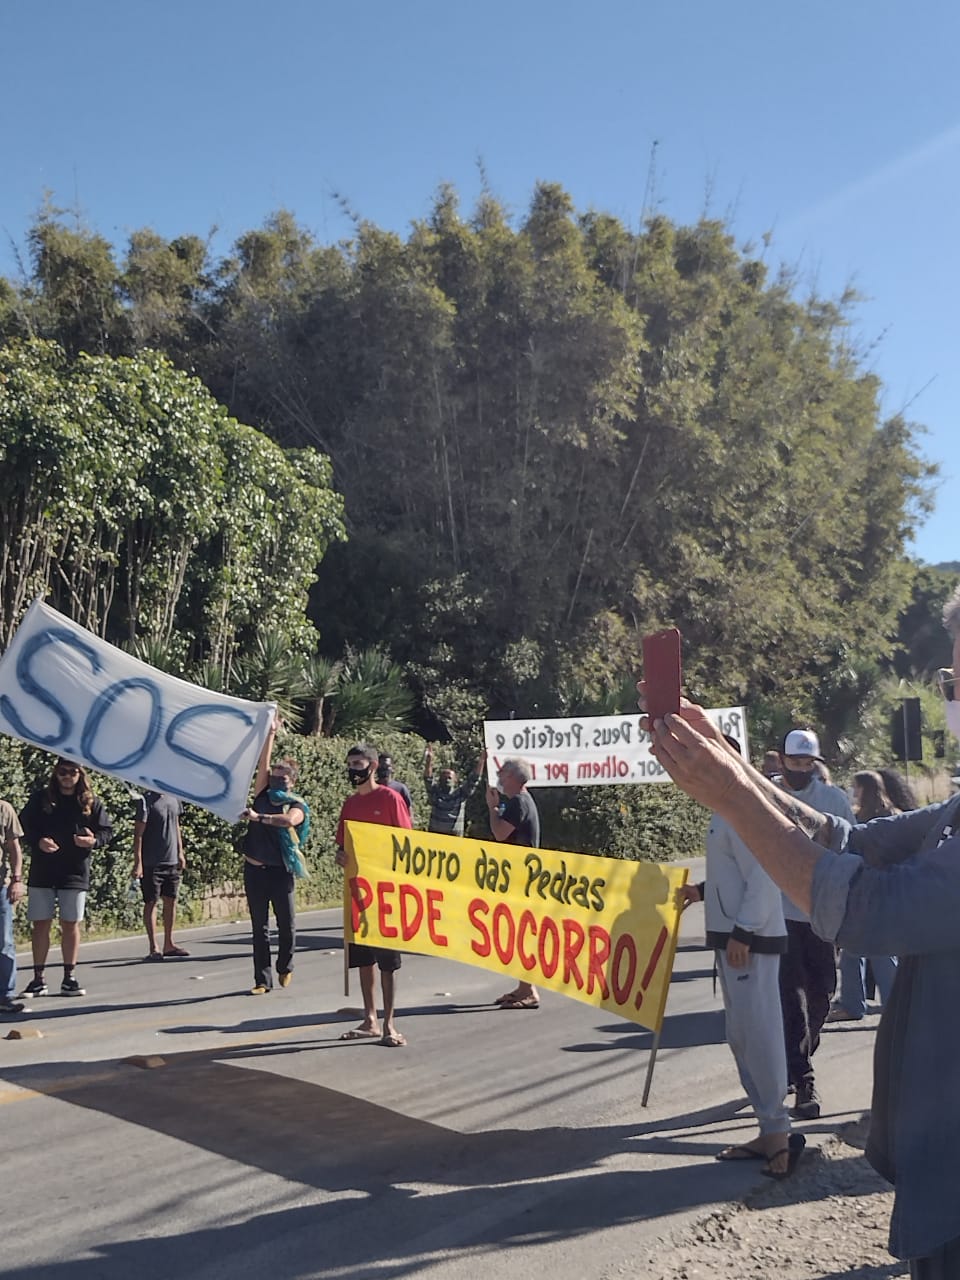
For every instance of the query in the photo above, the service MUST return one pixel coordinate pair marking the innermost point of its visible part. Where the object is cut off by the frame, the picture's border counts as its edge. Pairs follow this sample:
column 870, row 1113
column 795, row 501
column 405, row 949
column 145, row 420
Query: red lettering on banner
column 434, row 899
column 599, row 955
column 410, row 900
column 621, row 990
column 504, row 948
column 385, row 909
column 528, row 923
column 573, row 940
column 548, row 928
column 361, row 897
column 590, row 958
column 476, row 909
column 651, row 966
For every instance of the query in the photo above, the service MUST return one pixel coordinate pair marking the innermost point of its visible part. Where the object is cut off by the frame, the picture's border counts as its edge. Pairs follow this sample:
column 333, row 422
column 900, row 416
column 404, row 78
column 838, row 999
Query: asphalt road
column 506, row 1142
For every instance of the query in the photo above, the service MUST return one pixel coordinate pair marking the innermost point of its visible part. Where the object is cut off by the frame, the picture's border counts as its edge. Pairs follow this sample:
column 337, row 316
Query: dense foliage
column 549, row 437
column 133, row 502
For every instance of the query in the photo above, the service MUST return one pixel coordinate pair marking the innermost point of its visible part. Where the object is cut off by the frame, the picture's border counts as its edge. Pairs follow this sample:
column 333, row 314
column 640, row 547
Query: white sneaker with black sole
column 71, row 987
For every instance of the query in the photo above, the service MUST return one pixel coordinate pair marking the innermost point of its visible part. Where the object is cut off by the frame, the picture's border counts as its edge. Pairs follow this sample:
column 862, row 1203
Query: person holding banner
column 270, row 865
column 372, row 802
column 63, row 823
column 448, row 801
column 515, row 821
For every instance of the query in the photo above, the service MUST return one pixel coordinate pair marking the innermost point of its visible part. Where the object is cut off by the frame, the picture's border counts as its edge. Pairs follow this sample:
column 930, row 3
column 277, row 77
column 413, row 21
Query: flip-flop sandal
column 176, row 953
column 739, row 1154
column 793, row 1152
column 395, row 1041
column 523, row 1002
column 359, row 1034
column 154, row 955
column 506, row 999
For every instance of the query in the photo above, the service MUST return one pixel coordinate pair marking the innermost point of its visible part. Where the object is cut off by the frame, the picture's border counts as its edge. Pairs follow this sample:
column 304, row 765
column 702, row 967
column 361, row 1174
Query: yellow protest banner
column 601, row 930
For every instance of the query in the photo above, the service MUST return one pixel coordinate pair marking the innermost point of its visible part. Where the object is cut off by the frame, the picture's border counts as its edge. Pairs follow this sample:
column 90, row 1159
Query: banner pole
column 650, row 1065
column 663, row 1004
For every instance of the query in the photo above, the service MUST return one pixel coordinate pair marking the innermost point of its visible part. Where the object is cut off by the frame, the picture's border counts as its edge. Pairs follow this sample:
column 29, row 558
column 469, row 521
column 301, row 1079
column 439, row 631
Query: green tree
column 138, row 507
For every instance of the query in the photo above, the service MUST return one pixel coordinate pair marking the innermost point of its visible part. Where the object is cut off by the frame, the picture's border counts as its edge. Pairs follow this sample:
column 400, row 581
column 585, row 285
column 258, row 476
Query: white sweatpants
column 751, row 998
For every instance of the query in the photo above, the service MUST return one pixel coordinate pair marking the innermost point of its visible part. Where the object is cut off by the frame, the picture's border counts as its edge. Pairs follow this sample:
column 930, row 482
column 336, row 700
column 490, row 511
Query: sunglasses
column 947, row 683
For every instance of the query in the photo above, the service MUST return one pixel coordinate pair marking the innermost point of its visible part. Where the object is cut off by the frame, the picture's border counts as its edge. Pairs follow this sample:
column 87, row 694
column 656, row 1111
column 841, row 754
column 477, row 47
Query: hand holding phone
column 661, row 673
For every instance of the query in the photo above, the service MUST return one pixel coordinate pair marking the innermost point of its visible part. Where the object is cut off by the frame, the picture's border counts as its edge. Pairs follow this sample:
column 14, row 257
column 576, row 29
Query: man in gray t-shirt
column 158, row 863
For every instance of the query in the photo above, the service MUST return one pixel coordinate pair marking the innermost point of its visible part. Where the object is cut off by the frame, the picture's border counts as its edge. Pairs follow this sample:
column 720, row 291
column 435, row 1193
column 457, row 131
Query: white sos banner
column 65, row 689
column 589, row 751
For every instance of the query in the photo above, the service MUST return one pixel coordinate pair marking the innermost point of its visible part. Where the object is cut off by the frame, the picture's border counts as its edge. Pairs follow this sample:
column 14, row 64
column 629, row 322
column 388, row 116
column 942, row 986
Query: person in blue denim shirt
column 889, row 887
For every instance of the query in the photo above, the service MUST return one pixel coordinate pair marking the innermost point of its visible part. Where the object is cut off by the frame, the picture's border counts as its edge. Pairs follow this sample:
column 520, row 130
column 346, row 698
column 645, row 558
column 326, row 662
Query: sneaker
column 259, row 990
column 12, row 1006
column 71, row 987
column 285, row 979
column 807, row 1106
column 35, row 987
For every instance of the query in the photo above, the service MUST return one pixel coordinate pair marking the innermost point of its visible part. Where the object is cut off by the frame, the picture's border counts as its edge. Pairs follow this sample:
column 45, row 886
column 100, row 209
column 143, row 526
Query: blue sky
column 833, row 124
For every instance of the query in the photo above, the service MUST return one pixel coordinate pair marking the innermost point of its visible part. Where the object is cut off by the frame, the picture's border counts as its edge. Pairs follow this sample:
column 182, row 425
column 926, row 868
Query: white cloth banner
column 65, row 689
column 589, row 751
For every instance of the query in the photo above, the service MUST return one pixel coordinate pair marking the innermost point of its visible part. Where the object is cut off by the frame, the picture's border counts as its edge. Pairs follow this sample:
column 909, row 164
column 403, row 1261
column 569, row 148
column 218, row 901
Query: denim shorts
column 42, row 903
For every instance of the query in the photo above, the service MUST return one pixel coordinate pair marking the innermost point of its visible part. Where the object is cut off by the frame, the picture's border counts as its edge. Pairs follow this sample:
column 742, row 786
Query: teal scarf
column 292, row 839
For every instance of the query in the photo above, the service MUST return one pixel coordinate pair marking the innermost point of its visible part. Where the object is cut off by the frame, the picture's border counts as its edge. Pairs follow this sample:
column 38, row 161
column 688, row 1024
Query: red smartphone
column 661, row 673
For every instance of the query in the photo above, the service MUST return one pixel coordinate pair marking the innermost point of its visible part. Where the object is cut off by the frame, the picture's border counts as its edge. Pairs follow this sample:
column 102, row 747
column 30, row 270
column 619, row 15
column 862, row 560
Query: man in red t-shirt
column 371, row 802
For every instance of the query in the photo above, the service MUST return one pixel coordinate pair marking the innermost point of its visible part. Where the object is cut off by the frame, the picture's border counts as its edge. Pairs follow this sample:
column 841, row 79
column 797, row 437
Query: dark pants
column 270, row 887
column 808, row 979
column 942, row 1265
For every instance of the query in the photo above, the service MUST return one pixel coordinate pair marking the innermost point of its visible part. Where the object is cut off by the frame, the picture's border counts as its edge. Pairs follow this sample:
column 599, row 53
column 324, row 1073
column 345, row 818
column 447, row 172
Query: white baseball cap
column 802, row 742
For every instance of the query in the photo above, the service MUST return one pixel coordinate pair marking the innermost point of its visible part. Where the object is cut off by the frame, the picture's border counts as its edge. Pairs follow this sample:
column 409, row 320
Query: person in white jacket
column 745, row 927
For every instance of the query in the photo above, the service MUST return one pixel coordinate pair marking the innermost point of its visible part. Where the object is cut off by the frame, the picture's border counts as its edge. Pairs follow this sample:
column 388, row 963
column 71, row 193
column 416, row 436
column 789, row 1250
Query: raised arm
column 263, row 764
column 817, row 826
column 780, row 836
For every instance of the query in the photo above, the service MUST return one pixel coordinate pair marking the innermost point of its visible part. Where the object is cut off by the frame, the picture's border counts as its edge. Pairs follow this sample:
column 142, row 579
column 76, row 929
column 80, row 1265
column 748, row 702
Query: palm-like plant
column 210, row 675
column 271, row 673
column 371, row 696
column 165, row 655
column 321, row 679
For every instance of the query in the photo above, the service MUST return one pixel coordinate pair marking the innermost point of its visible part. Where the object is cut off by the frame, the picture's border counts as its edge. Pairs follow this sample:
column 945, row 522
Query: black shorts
column 159, row 882
column 361, row 957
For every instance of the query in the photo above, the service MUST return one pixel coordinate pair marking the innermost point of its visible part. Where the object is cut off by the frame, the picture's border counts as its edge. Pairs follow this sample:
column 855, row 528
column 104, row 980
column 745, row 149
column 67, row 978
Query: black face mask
column 797, row 779
column 358, row 776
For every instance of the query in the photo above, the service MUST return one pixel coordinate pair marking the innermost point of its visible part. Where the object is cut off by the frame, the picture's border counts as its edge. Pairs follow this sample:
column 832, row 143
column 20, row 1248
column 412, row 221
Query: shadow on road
column 501, row 1188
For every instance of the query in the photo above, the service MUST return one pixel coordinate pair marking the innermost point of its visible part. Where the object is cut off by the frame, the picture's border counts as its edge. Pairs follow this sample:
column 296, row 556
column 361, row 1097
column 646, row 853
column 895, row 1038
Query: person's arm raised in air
column 263, row 764
column 787, row 839
column 819, row 827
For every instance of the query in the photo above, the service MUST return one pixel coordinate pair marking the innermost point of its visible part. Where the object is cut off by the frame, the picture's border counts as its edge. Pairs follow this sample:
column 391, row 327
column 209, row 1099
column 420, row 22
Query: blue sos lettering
column 109, row 698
